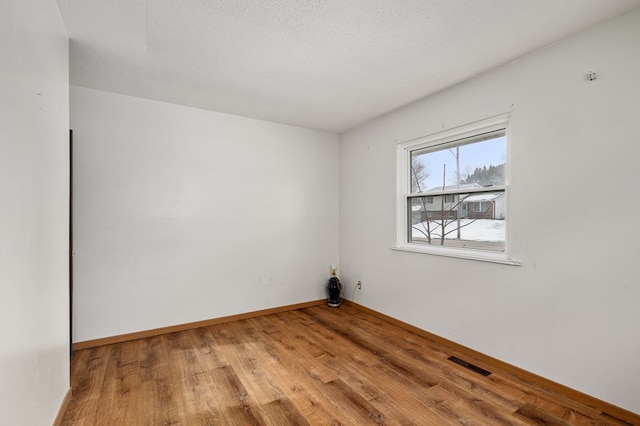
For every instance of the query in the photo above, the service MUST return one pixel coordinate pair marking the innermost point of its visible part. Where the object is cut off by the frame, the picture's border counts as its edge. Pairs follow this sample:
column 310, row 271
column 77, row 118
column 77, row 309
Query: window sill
column 460, row 254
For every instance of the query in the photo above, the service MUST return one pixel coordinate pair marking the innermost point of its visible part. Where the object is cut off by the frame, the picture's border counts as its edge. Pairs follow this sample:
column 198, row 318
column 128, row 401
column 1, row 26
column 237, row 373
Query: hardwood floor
column 314, row 366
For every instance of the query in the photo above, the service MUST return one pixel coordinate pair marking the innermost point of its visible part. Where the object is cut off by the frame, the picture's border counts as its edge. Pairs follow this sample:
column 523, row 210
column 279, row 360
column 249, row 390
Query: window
column 452, row 192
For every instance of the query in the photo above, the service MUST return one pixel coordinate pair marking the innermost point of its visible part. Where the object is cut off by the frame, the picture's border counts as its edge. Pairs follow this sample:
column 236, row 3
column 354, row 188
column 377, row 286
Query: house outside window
column 457, row 181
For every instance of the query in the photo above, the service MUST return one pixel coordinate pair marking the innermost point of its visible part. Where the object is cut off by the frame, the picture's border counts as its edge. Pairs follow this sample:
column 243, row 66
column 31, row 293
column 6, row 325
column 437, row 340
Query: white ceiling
column 322, row 64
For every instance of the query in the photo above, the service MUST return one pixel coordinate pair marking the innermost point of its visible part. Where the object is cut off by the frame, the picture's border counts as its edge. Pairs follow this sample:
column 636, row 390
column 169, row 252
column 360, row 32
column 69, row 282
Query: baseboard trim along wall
column 187, row 326
column 483, row 361
column 63, row 408
column 493, row 364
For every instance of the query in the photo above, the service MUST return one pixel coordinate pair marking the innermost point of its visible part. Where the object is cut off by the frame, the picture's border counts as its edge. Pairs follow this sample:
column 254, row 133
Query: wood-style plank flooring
column 314, row 366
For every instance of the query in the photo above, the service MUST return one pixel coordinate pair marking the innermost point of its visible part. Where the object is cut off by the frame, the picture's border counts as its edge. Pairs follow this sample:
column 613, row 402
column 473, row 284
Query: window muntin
column 456, row 191
column 477, row 159
column 480, row 225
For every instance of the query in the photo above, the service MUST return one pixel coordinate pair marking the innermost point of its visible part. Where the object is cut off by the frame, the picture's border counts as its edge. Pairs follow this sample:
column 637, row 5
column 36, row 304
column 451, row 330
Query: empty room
column 319, row 212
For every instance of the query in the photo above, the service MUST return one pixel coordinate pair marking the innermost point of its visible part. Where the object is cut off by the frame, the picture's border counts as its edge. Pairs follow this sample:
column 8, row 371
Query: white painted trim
column 484, row 256
column 402, row 163
column 460, row 132
column 403, row 153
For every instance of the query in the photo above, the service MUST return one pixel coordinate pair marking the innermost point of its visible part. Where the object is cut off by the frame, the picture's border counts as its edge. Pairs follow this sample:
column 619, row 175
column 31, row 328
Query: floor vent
column 471, row 367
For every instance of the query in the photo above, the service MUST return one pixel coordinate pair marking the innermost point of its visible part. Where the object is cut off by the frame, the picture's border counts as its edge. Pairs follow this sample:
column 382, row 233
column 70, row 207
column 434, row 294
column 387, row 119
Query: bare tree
column 419, row 175
column 436, row 227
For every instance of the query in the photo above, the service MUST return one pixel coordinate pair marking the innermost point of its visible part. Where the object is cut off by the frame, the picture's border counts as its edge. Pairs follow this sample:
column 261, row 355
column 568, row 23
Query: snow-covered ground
column 479, row 230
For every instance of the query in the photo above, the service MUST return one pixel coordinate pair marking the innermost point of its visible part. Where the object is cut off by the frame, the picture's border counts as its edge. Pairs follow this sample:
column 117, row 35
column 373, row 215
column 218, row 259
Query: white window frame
column 403, row 179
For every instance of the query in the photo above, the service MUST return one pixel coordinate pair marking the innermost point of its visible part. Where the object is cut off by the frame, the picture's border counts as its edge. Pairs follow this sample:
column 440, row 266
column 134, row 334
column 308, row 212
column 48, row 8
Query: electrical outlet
column 359, row 285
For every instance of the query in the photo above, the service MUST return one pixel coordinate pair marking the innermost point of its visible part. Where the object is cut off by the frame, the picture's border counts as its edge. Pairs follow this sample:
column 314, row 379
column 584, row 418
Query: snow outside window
column 452, row 196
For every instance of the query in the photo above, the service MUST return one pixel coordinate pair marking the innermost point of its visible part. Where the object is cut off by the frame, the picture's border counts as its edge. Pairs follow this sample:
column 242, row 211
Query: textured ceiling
column 323, row 64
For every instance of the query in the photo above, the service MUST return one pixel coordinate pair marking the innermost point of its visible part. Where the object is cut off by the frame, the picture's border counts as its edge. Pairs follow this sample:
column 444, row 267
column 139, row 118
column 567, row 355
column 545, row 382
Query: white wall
column 182, row 214
column 571, row 311
column 34, row 197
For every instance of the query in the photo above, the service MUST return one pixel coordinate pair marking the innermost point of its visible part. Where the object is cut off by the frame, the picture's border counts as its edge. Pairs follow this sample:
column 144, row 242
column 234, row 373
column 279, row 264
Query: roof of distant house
column 486, row 196
column 454, row 187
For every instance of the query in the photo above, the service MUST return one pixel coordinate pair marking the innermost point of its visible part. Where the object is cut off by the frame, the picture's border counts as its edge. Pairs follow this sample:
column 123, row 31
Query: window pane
column 473, row 221
column 468, row 163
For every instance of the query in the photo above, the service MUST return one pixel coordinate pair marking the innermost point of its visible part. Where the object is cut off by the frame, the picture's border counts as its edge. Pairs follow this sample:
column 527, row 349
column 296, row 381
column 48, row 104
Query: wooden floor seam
column 310, row 366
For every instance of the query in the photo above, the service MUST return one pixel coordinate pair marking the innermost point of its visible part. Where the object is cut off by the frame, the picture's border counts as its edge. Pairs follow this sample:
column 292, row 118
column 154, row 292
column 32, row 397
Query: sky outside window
column 491, row 152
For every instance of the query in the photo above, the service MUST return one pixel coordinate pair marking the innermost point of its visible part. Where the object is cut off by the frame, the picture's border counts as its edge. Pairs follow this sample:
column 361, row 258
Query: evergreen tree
column 486, row 176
